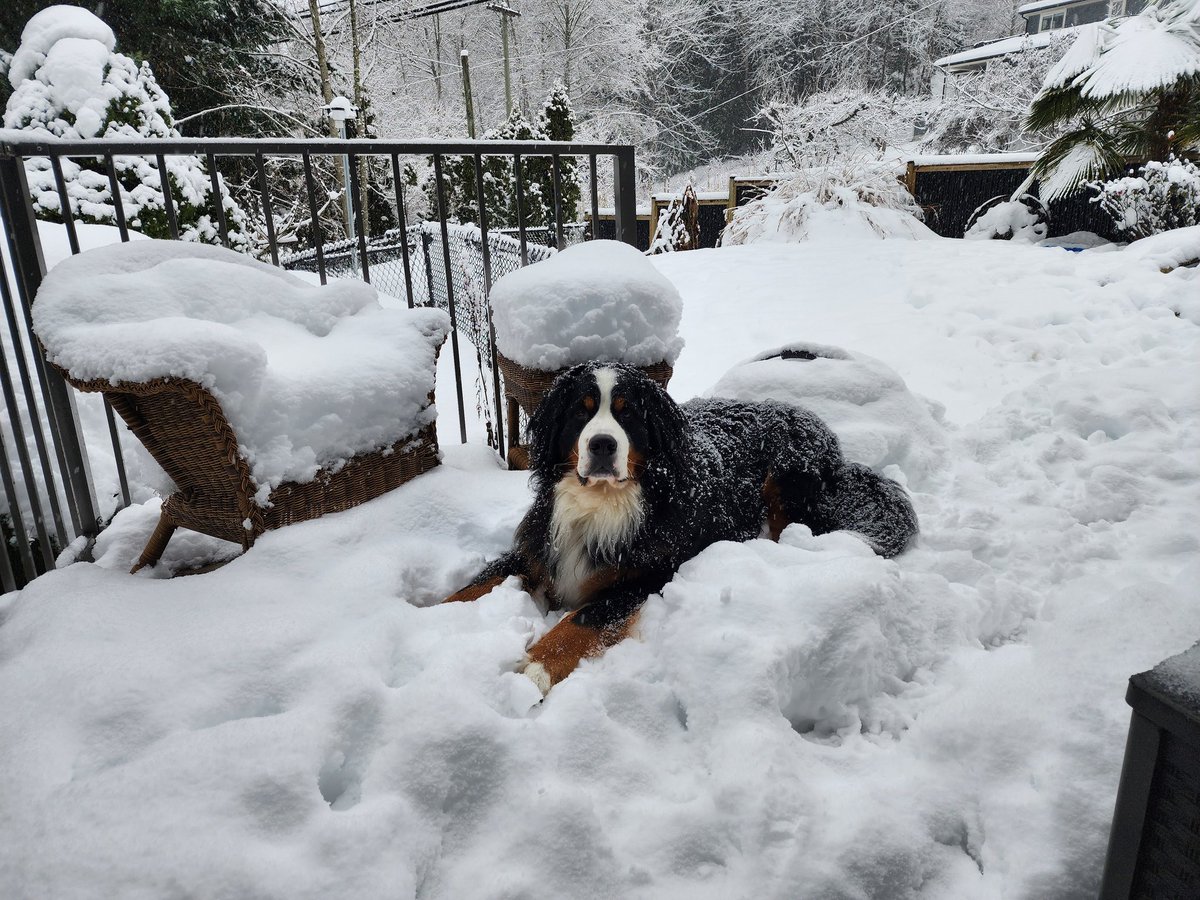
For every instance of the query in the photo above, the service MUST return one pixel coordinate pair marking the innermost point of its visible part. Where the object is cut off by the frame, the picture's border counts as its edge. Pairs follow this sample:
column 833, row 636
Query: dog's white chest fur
column 588, row 520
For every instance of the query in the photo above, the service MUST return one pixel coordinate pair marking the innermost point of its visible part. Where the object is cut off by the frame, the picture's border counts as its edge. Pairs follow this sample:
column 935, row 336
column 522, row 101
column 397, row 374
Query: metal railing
column 45, row 472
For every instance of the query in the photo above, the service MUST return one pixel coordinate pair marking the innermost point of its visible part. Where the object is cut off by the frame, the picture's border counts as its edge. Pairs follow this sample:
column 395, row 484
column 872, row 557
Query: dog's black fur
column 709, row 470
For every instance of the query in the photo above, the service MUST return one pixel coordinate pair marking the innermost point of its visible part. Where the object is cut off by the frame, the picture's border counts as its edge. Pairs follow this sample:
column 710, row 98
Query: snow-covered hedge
column 596, row 300
column 846, row 201
column 1156, row 197
column 306, row 375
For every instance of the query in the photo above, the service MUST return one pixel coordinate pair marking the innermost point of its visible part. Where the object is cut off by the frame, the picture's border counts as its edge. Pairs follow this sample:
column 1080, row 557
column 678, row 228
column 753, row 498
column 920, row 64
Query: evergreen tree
column 499, row 185
column 557, row 121
column 206, row 54
column 537, row 208
column 69, row 82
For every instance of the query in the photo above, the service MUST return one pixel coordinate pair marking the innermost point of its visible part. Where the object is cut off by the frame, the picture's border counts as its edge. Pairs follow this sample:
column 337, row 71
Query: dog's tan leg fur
column 564, row 646
column 777, row 519
column 474, row 591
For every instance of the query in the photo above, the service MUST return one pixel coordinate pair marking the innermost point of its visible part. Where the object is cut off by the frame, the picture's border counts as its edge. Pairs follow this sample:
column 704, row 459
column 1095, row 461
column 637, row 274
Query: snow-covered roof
column 964, row 159
column 700, row 195
column 642, row 210
column 1016, row 44
column 1050, row 4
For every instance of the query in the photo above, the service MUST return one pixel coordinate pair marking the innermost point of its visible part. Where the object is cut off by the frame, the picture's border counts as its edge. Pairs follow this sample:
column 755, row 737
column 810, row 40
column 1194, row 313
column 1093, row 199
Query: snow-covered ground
column 794, row 720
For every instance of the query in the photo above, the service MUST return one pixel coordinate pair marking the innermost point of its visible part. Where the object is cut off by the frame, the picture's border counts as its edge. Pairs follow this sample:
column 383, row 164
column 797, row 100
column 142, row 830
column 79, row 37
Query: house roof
column 1049, row 4
column 1015, row 44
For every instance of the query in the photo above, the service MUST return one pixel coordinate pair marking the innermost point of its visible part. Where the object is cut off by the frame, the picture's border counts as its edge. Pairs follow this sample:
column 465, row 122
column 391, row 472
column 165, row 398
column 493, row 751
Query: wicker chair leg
column 157, row 543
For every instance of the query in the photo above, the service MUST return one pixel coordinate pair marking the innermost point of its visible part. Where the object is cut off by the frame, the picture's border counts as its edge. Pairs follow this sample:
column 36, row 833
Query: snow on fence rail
column 48, row 496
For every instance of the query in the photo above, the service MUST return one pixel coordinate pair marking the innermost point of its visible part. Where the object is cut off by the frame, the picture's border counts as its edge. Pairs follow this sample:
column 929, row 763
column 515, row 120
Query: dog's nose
column 602, row 446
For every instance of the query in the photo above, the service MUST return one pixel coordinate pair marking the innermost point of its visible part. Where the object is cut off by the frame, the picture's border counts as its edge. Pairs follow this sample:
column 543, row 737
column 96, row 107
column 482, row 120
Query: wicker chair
column 524, row 389
column 241, row 380
column 183, row 427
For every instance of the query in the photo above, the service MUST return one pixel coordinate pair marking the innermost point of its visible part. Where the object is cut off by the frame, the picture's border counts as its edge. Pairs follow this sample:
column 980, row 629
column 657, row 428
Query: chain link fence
column 468, row 287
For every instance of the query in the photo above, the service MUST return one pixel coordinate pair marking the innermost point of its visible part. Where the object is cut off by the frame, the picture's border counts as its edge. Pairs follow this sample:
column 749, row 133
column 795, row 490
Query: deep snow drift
column 800, row 719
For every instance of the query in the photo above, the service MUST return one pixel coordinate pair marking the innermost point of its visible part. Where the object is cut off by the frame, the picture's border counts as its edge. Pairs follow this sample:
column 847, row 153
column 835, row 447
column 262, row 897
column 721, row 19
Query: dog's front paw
column 536, row 673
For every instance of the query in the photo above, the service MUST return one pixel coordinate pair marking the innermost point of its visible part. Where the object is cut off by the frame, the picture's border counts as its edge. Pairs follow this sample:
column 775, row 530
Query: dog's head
column 607, row 424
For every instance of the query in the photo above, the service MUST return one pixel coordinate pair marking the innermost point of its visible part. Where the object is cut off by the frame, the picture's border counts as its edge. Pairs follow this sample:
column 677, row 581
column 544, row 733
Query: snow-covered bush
column 679, row 224
column 69, row 82
column 1157, row 197
column 864, row 200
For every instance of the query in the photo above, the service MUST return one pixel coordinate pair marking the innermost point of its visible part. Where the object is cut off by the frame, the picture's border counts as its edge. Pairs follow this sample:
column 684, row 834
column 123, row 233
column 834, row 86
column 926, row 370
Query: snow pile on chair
column 597, row 300
column 307, row 376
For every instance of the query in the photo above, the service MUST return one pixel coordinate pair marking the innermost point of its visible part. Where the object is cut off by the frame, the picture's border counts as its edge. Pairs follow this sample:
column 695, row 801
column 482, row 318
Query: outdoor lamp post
column 339, row 109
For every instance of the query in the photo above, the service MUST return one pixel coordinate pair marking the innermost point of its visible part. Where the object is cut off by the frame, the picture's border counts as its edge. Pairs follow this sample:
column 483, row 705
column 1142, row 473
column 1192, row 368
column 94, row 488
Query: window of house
column 1091, row 12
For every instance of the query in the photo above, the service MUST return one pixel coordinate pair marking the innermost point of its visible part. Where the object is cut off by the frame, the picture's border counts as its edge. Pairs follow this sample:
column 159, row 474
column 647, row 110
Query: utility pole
column 360, row 110
column 322, row 60
column 506, row 12
column 466, row 80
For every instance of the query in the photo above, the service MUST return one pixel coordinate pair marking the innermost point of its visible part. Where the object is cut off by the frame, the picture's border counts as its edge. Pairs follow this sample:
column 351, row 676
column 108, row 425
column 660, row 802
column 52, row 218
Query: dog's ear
column 667, row 437
column 543, row 431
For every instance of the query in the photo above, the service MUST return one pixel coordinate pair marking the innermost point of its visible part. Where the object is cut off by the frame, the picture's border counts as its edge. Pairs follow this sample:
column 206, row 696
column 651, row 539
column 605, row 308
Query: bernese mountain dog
column 628, row 485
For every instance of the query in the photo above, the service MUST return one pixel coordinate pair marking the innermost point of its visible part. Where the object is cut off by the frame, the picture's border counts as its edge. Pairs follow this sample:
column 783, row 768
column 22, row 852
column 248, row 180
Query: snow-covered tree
column 459, row 183
column 218, row 60
column 840, row 124
column 1129, row 88
column 68, row 81
column 557, row 121
column 985, row 112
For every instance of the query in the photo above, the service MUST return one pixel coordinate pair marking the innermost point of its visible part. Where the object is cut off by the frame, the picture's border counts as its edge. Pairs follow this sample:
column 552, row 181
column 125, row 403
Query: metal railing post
column 29, row 267
column 625, row 191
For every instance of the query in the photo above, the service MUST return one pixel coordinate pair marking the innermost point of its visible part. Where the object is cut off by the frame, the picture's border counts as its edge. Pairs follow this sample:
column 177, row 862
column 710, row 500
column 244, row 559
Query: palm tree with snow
column 1124, row 89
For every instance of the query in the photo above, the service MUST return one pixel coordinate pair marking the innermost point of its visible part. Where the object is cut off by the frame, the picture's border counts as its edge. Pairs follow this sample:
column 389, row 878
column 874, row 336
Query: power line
column 421, row 12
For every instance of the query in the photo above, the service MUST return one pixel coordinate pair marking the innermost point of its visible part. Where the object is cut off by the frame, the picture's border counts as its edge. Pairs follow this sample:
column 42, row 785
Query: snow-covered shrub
column 1157, row 197
column 69, row 82
column 864, row 200
column 679, row 225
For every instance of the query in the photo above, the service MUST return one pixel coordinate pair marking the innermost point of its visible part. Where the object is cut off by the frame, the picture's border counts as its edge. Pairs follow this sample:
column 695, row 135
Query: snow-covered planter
column 596, row 300
column 830, row 203
column 266, row 399
column 1156, row 197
